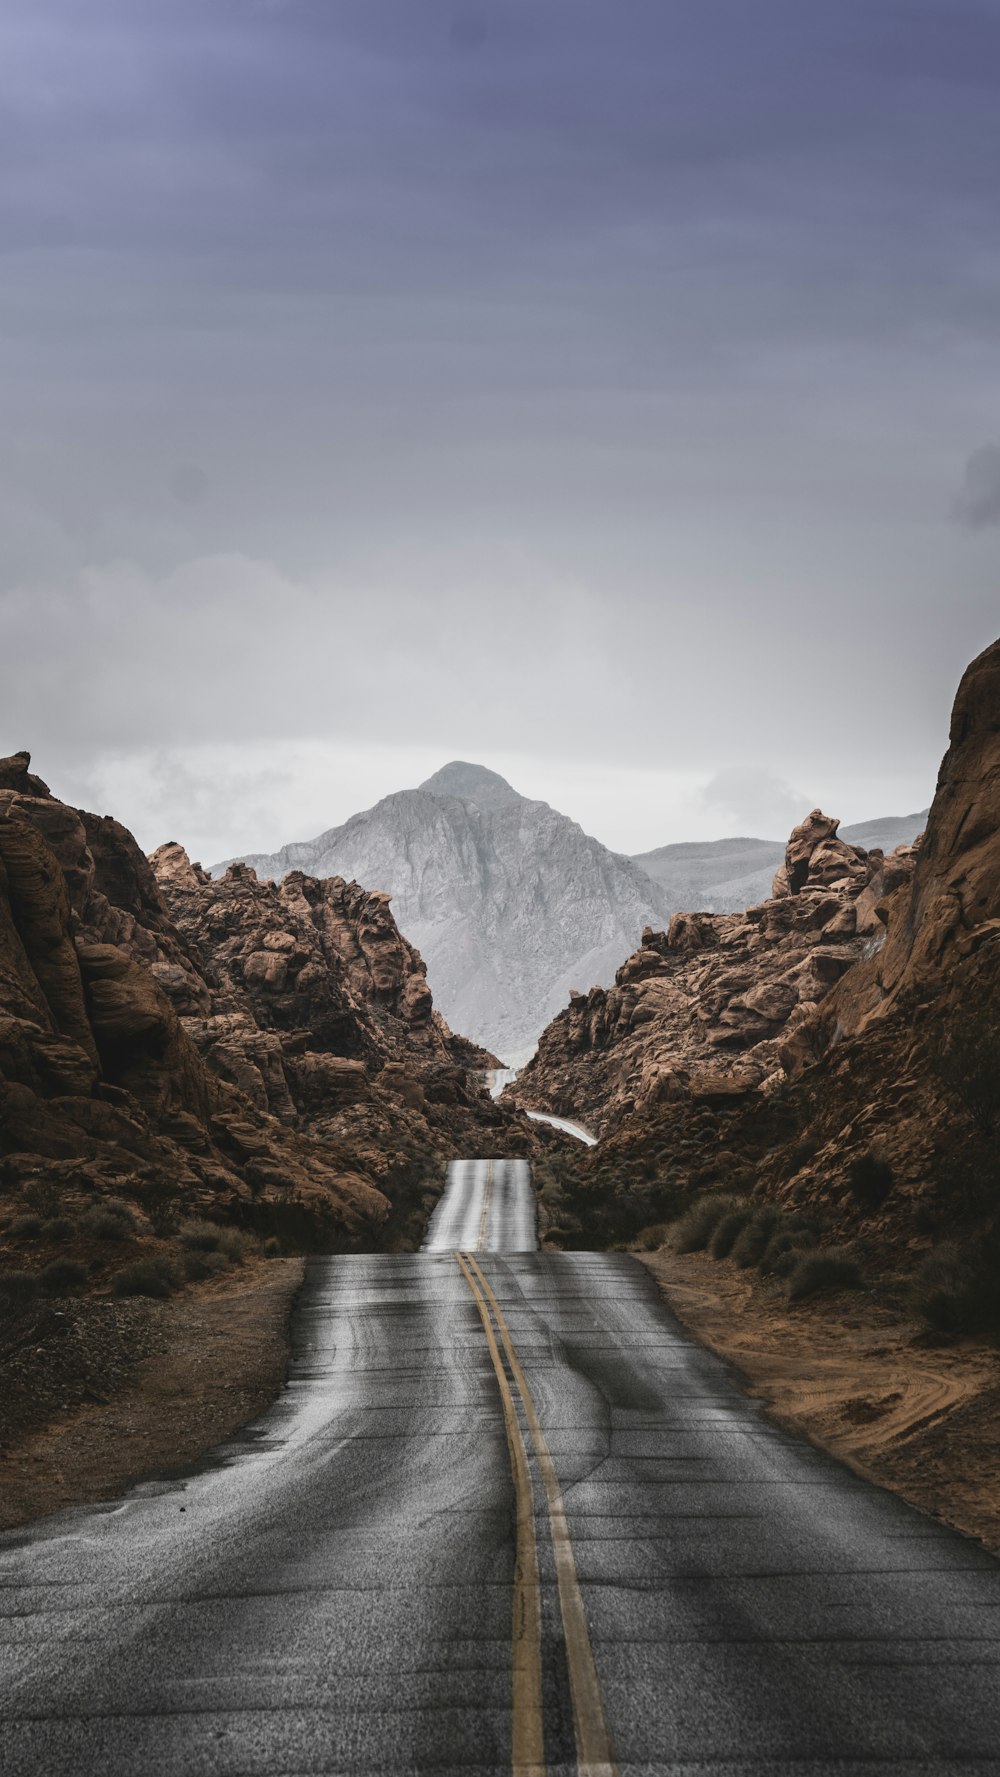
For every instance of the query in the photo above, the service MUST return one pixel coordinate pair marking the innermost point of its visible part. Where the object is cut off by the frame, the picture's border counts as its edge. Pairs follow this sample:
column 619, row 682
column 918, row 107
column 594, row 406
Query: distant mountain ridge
column 728, row 875
column 508, row 901
column 512, row 905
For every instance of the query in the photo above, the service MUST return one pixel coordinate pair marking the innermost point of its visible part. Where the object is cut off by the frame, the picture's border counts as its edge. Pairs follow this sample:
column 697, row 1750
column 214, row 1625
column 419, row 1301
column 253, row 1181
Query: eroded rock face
column 706, row 1010
column 317, row 996
column 214, row 1041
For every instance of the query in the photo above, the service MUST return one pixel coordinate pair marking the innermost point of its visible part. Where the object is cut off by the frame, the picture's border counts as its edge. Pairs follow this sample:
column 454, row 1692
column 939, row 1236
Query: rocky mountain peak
column 471, row 783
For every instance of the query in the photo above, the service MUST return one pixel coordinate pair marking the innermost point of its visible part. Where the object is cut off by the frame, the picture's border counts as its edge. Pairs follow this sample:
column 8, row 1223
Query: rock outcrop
column 219, row 1044
column 321, row 1012
column 870, row 1103
column 728, row 875
column 703, row 1011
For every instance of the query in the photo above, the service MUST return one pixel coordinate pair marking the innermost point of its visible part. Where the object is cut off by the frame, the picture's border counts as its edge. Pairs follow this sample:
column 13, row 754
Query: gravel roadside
column 98, row 1394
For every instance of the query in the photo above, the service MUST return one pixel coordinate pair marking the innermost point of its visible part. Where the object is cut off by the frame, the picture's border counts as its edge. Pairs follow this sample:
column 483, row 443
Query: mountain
column 728, row 875
column 509, row 902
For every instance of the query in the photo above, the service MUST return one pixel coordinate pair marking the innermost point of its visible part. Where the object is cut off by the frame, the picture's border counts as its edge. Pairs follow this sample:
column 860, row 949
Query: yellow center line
column 527, row 1736
column 594, row 1753
column 484, row 1218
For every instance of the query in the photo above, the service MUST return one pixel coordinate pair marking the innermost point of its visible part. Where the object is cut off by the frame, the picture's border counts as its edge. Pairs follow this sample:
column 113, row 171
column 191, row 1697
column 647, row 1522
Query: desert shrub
column 966, row 1059
column 652, row 1237
column 199, row 1265
column 59, row 1228
column 818, row 1271
column 18, row 1290
column 201, row 1236
column 26, row 1227
column 272, row 1247
column 726, row 1230
column 693, row 1230
column 232, row 1245
column 752, row 1243
column 146, row 1277
column 110, row 1219
column 62, row 1276
column 870, row 1180
column 956, row 1290
column 783, row 1241
column 209, row 1237
column 784, row 1262
column 799, row 1154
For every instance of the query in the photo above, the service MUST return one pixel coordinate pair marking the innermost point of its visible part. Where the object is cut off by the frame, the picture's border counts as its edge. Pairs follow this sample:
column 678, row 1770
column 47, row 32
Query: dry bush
column 816, row 1272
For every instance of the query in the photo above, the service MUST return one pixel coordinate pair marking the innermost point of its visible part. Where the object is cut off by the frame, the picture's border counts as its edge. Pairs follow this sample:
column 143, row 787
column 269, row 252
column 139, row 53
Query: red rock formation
column 704, row 1012
column 298, row 1055
column 891, row 1062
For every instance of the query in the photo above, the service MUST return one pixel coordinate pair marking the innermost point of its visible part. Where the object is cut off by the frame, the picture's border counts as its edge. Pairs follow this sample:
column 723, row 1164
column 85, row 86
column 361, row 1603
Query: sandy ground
column 219, row 1357
column 919, row 1417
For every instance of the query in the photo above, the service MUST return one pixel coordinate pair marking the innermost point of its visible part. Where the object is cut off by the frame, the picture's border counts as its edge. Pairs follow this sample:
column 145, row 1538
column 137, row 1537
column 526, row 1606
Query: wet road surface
column 506, row 1510
column 488, row 1206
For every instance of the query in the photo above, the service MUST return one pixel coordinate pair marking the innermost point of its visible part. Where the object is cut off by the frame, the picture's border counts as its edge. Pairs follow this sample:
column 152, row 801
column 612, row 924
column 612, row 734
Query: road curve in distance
column 566, row 1126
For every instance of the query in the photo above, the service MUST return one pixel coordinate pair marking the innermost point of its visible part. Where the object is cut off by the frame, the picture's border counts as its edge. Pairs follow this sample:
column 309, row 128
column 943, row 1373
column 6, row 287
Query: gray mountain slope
column 726, row 875
column 509, row 902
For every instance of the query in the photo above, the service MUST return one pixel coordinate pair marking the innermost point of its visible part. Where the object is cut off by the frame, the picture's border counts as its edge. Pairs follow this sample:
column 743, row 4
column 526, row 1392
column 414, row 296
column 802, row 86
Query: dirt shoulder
column 125, row 1389
column 860, row 1381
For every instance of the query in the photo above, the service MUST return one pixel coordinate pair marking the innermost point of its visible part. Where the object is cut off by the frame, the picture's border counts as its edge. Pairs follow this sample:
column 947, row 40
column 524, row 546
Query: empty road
column 508, row 1515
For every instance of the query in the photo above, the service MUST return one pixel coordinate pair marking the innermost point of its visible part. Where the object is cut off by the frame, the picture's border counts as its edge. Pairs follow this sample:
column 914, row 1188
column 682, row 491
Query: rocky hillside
column 208, row 1048
column 728, row 875
column 868, row 1115
column 511, row 904
column 701, row 1012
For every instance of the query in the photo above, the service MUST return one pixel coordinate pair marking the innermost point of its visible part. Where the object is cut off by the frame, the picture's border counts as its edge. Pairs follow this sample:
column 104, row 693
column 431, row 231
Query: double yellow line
column 594, row 1754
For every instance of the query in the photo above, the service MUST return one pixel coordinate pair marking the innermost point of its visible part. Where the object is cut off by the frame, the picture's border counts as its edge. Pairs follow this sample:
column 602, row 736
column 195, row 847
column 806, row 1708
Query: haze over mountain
column 727, row 875
column 511, row 904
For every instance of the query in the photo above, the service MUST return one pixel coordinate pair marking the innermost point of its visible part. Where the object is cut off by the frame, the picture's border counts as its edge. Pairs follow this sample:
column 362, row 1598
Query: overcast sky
column 604, row 390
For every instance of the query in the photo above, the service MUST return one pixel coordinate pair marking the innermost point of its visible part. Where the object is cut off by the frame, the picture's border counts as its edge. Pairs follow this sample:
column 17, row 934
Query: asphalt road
column 507, row 1509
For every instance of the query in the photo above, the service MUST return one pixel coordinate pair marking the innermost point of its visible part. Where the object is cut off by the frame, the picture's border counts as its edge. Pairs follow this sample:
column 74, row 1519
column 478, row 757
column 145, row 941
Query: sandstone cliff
column 275, row 1055
column 865, row 1109
column 701, row 1012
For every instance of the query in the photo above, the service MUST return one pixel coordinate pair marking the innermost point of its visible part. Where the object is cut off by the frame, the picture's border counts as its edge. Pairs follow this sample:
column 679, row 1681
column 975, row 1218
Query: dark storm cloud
column 494, row 362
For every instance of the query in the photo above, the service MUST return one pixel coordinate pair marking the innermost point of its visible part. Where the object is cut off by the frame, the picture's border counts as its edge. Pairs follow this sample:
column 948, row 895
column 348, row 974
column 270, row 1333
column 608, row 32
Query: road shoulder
column 858, row 1380
column 212, row 1359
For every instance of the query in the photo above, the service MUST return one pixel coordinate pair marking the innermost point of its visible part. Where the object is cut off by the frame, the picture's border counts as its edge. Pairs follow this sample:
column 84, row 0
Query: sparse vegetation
column 209, row 1237
column 272, row 1247
column 146, row 1277
column 26, row 1227
column 956, row 1290
column 199, row 1265
column 727, row 1230
column 111, row 1219
column 63, row 1276
column 818, row 1272
column 694, row 1229
column 59, row 1228
column 966, row 1059
column 870, row 1179
column 755, row 1238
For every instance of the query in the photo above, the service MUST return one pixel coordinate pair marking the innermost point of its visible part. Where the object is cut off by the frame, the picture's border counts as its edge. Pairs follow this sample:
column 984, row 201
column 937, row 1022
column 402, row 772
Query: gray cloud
column 547, row 374
column 978, row 502
column 751, row 800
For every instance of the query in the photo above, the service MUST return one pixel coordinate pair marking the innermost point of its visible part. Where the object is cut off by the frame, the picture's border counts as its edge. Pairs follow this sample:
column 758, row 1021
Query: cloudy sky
column 604, row 390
